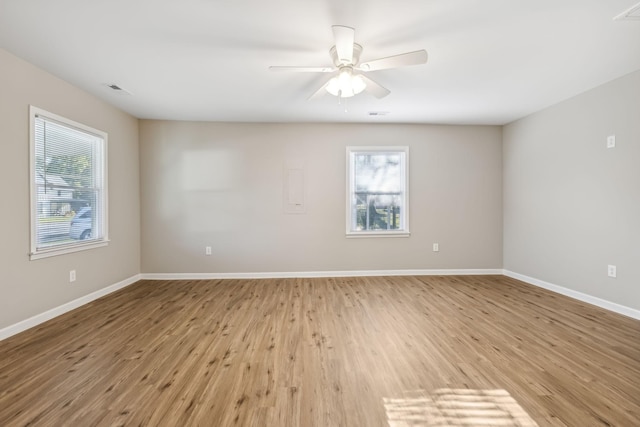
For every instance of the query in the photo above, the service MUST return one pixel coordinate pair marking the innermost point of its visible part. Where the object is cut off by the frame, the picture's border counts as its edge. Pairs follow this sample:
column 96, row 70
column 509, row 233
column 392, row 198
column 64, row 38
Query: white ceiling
column 490, row 61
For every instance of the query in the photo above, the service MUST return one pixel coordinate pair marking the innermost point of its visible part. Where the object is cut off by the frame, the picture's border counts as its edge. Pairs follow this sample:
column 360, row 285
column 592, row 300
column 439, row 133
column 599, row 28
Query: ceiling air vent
column 631, row 14
column 117, row 89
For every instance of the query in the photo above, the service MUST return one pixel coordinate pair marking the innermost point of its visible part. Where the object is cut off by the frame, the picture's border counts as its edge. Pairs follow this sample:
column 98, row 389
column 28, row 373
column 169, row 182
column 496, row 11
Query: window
column 68, row 185
column 377, row 191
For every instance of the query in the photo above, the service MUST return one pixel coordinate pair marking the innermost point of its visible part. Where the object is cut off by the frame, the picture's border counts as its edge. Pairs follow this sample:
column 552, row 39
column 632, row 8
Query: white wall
column 220, row 185
column 572, row 206
column 28, row 288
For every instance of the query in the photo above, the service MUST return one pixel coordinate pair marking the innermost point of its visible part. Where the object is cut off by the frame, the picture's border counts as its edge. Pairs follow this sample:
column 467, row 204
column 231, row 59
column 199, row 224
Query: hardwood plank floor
column 375, row 351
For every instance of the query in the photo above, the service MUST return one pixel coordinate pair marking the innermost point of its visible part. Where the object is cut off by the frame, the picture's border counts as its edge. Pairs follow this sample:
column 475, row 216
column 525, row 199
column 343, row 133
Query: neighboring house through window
column 68, row 185
column 377, row 191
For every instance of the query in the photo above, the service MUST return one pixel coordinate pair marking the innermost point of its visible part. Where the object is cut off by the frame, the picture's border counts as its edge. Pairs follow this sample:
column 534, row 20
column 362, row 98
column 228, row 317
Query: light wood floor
column 397, row 351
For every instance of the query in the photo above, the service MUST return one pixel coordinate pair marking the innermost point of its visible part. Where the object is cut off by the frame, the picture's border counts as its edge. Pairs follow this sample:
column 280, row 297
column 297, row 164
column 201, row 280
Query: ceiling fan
column 349, row 78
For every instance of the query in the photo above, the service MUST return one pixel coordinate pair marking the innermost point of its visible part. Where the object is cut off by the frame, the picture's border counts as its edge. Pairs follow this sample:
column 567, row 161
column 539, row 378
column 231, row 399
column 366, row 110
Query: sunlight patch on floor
column 457, row 407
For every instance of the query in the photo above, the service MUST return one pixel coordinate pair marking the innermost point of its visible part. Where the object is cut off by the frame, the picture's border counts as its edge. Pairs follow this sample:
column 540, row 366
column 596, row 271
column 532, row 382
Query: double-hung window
column 68, row 185
column 377, row 191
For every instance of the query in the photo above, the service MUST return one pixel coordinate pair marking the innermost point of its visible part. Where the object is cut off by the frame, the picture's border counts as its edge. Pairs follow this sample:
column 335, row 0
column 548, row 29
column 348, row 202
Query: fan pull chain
column 340, row 99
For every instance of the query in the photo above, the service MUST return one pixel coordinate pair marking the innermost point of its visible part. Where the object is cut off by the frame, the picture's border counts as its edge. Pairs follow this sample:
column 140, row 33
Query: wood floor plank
column 361, row 351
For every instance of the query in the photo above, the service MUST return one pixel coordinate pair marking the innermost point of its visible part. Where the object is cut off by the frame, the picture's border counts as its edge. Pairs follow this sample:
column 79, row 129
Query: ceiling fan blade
column 302, row 69
column 374, row 88
column 344, row 37
column 320, row 92
column 402, row 60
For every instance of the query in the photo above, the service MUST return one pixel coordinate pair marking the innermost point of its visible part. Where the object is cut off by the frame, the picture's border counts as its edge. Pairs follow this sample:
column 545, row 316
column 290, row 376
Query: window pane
column 377, row 190
column 377, row 212
column 378, row 172
column 68, row 184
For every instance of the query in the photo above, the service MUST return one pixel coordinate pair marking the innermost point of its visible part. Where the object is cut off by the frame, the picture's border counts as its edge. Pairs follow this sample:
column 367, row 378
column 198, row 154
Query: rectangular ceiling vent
column 117, row 89
column 631, row 14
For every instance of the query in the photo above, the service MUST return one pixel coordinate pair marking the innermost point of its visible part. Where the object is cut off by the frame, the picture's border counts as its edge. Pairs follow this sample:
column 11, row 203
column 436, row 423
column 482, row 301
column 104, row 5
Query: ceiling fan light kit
column 346, row 84
column 350, row 79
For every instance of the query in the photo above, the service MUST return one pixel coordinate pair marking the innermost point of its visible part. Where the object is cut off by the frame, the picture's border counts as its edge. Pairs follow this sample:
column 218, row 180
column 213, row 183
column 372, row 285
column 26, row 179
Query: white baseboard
column 57, row 311
column 305, row 274
column 608, row 305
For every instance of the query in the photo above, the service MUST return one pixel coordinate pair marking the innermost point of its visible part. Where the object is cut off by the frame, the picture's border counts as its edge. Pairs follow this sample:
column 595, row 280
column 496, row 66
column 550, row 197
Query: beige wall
column 572, row 206
column 221, row 185
column 29, row 287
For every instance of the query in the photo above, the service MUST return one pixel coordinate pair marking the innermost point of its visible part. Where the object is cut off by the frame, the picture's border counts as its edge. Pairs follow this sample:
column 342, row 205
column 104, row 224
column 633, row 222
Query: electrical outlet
column 611, row 141
column 207, row 250
column 436, row 247
column 72, row 276
column 611, row 271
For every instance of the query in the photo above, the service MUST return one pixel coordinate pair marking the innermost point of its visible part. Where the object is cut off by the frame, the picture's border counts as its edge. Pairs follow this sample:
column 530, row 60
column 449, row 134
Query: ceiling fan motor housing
column 357, row 50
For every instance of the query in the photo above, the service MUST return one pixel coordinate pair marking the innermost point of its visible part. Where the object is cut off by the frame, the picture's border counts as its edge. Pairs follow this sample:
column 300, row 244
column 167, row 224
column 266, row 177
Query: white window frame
column 350, row 185
column 65, row 248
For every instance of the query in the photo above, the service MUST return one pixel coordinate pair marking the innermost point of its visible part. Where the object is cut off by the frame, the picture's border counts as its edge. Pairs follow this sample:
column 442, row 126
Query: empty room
column 320, row 213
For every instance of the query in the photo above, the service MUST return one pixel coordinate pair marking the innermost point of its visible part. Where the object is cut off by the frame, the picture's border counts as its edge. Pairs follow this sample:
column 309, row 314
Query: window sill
column 46, row 253
column 370, row 234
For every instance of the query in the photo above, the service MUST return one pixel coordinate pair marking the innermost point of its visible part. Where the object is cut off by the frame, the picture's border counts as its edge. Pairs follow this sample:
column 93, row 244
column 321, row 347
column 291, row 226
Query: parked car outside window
column 81, row 224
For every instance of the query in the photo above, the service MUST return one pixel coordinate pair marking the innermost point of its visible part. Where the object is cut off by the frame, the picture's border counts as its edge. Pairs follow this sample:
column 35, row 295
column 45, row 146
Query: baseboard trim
column 57, row 311
column 310, row 274
column 608, row 305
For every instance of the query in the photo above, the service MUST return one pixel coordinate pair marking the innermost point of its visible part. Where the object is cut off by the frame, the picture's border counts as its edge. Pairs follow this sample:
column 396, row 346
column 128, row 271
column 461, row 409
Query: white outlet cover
column 611, row 141
column 612, row 271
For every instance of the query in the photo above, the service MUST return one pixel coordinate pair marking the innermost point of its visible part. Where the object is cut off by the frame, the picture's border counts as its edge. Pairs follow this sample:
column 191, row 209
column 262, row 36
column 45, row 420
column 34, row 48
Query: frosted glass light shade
column 345, row 84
